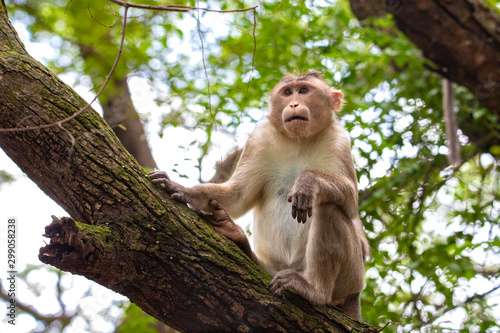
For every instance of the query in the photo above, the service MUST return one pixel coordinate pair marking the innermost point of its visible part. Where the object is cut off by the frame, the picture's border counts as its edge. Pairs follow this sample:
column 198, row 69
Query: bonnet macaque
column 296, row 173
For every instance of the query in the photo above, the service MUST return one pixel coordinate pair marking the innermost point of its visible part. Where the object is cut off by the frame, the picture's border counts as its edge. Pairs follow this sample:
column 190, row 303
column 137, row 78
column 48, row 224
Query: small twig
column 72, row 138
column 95, row 19
column 179, row 8
column 254, row 52
column 67, row 6
column 387, row 324
column 23, row 119
column 205, row 65
column 469, row 299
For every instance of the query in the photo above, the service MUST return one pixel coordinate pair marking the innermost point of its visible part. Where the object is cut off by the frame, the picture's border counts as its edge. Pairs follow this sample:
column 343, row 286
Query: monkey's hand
column 225, row 226
column 302, row 196
column 176, row 190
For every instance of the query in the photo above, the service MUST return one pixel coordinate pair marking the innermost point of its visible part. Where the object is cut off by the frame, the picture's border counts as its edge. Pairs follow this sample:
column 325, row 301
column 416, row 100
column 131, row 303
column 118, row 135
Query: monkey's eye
column 288, row 92
column 303, row 90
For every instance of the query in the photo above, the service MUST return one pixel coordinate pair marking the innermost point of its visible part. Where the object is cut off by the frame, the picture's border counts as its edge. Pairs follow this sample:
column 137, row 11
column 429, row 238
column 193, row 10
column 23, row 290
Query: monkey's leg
column 352, row 306
column 334, row 259
column 325, row 252
column 225, row 226
column 323, row 260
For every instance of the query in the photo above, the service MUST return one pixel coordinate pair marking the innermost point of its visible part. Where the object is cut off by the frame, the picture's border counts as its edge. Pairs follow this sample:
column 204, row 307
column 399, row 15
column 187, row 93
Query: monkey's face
column 303, row 107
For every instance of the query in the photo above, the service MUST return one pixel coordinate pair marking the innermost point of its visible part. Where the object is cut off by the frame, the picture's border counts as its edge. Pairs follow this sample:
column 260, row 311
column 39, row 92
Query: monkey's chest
column 278, row 237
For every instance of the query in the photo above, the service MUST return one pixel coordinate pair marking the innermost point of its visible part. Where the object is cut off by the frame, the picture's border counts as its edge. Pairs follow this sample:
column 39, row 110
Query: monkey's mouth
column 296, row 118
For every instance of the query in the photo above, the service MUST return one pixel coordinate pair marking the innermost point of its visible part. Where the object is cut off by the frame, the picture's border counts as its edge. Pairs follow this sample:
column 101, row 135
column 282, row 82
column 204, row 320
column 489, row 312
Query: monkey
column 297, row 174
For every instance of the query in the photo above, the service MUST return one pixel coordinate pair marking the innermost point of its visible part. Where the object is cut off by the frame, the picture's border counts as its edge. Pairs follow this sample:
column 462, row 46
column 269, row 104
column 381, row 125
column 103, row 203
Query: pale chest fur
column 277, row 234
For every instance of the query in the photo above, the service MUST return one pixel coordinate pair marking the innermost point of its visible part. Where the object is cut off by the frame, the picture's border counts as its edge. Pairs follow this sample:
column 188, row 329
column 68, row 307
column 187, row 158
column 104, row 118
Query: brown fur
column 296, row 173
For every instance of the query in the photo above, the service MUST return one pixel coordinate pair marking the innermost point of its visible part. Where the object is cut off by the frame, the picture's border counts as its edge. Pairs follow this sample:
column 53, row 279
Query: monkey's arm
column 197, row 197
column 238, row 195
column 313, row 187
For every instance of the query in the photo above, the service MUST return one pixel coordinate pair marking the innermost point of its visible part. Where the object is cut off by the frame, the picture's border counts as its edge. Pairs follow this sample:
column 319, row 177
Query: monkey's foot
column 288, row 279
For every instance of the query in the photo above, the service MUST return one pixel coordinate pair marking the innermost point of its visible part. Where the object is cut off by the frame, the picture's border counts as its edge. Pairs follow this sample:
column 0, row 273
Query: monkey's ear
column 337, row 99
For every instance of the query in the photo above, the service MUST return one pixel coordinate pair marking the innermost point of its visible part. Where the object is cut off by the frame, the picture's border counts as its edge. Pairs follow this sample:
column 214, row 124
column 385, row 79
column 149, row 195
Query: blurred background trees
column 434, row 228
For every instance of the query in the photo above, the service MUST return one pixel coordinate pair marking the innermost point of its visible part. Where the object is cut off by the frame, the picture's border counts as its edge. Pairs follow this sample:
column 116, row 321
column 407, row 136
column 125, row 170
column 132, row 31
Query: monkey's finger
column 300, row 201
column 298, row 215
column 293, row 200
column 300, row 208
column 303, row 205
column 281, row 282
column 220, row 215
column 275, row 289
column 178, row 197
column 158, row 175
column 172, row 187
column 308, row 208
column 214, row 204
column 159, row 180
column 303, row 216
column 169, row 185
column 275, row 286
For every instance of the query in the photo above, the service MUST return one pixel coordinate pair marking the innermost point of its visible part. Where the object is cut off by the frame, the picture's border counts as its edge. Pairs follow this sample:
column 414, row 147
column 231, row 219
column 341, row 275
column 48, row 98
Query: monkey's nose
column 294, row 104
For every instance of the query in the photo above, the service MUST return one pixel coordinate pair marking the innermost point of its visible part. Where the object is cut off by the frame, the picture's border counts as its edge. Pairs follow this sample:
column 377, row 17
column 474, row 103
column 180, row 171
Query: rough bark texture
column 462, row 37
column 130, row 237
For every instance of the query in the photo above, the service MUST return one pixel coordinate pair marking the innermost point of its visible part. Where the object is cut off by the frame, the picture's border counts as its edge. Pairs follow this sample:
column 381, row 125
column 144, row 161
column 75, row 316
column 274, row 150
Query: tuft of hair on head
column 304, row 76
column 313, row 73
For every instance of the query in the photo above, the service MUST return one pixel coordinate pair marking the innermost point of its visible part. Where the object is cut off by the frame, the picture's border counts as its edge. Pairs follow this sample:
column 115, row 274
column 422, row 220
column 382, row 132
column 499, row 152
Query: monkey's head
column 302, row 106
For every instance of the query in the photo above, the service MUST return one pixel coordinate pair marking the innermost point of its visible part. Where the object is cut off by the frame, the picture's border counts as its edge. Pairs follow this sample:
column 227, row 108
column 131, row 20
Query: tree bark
column 462, row 37
column 119, row 112
column 125, row 233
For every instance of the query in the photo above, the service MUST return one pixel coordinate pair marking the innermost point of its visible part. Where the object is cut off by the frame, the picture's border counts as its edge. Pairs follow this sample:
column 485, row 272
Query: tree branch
column 47, row 320
column 461, row 37
column 178, row 8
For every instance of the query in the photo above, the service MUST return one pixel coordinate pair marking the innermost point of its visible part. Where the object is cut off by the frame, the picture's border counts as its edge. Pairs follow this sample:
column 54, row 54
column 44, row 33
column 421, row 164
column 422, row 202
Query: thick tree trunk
column 462, row 37
column 129, row 236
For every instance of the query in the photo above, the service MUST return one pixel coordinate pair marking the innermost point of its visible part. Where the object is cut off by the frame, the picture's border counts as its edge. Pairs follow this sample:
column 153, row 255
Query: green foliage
column 86, row 36
column 135, row 320
column 5, row 177
column 434, row 230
